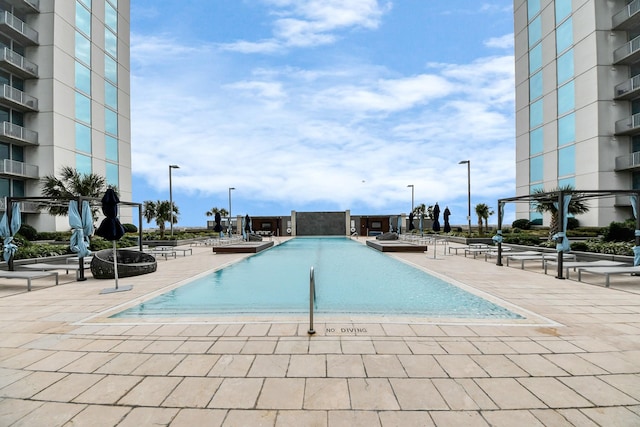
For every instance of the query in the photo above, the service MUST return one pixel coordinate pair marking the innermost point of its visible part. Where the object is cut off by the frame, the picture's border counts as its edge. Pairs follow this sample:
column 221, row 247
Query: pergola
column 45, row 202
column 561, row 199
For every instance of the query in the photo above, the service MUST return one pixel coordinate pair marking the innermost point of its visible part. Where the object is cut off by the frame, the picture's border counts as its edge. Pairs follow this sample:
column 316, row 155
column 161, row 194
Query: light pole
column 468, row 162
column 230, row 228
column 171, row 198
column 411, row 185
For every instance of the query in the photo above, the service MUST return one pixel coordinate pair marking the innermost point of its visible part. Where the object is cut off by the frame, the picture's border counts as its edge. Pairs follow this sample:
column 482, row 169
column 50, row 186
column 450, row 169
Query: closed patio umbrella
column 217, row 228
column 436, row 216
column 111, row 229
column 81, row 224
column 7, row 230
column 446, row 215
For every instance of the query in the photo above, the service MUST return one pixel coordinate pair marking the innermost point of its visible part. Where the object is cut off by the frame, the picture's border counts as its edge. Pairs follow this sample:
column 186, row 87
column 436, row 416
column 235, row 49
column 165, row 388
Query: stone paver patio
column 574, row 360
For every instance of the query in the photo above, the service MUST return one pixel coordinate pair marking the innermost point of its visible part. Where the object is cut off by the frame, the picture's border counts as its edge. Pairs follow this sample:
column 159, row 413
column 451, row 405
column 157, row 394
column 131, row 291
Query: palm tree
column 484, row 212
column 544, row 202
column 161, row 212
column 223, row 212
column 420, row 211
column 70, row 185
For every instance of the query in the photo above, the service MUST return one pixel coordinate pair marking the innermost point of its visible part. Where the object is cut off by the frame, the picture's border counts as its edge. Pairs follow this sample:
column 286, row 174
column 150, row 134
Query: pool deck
column 575, row 360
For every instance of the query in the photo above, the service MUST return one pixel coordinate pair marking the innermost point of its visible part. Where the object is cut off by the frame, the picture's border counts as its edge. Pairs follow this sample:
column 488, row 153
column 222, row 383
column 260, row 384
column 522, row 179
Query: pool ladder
column 312, row 300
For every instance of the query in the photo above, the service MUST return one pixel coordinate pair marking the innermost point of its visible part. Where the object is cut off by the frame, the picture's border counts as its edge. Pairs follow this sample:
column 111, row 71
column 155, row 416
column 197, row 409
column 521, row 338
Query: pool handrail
column 312, row 299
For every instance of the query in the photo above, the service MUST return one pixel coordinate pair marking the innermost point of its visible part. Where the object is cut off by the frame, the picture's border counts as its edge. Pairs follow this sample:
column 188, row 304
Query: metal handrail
column 312, row 300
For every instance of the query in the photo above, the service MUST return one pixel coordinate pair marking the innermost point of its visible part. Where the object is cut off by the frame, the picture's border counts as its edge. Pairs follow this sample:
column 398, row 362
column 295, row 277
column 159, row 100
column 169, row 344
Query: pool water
column 350, row 278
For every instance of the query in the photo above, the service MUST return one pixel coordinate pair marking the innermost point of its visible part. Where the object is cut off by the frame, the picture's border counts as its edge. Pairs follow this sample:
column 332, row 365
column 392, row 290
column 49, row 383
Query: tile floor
column 574, row 361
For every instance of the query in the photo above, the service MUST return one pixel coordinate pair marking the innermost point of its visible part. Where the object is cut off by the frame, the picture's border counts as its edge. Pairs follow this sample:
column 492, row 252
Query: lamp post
column 171, row 198
column 411, row 185
column 230, row 228
column 468, row 162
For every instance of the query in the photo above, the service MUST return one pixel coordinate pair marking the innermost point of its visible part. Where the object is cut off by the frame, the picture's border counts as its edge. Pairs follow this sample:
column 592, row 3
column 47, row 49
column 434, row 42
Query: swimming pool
column 350, row 278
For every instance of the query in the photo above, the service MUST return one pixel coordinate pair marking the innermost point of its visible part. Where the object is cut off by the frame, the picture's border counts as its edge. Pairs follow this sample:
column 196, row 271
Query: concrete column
column 293, row 223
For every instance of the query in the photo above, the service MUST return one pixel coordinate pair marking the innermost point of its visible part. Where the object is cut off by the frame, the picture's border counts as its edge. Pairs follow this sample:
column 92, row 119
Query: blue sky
column 322, row 105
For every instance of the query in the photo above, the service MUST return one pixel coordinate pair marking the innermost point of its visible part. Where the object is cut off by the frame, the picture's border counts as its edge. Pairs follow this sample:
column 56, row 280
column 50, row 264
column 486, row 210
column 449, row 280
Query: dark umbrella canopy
column 247, row 224
column 217, row 228
column 411, row 221
column 436, row 216
column 446, row 215
column 110, row 227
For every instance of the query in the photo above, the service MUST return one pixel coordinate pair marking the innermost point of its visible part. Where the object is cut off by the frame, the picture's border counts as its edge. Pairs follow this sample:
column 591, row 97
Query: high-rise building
column 65, row 98
column 577, row 101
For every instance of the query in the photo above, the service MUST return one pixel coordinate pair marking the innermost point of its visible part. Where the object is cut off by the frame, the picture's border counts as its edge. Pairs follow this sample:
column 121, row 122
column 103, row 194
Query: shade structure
column 7, row 230
column 111, row 229
column 411, row 227
column 446, row 214
column 436, row 216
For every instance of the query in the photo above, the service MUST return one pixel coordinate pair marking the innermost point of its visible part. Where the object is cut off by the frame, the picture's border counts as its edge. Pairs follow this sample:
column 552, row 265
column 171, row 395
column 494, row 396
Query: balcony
column 19, row 169
column 17, row 99
column 628, row 161
column 17, row 134
column 26, row 6
column 629, row 89
column 18, row 64
column 628, row 126
column 629, row 53
column 622, row 200
column 18, row 29
column 628, row 18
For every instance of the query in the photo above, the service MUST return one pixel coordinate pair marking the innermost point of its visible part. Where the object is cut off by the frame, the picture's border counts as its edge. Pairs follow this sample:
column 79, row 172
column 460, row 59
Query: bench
column 28, row 276
column 577, row 264
column 171, row 249
column 49, row 267
column 608, row 271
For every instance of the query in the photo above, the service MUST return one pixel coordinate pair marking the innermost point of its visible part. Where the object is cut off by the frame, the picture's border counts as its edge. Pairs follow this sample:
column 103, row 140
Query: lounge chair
column 537, row 257
column 608, row 271
column 576, row 264
column 28, row 276
column 48, row 267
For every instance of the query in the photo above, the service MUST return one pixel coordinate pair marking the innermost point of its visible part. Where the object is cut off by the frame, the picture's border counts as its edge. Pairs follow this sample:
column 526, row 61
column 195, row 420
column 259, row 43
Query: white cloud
column 306, row 23
column 503, row 42
column 299, row 136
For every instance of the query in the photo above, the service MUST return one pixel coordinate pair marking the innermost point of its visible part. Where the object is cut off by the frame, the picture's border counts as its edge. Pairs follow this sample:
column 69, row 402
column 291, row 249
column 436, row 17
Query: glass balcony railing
column 12, row 167
column 17, row 28
column 19, row 64
column 18, row 97
column 628, row 161
column 628, row 89
column 629, row 11
column 15, row 133
column 25, row 207
column 626, row 53
column 628, row 125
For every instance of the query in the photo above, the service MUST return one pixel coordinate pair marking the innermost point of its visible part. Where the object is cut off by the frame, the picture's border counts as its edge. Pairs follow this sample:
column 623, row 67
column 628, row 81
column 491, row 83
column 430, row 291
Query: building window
column 566, row 98
column 567, row 161
column 83, row 78
column 565, row 67
column 86, row 3
column 83, row 19
column 83, row 49
column 83, row 164
column 17, row 187
column 564, row 36
column 536, row 142
column 534, row 216
column 535, row 114
column 567, row 182
column 111, row 148
column 112, row 174
column 111, row 95
column 5, row 187
column 110, row 69
column 83, row 108
column 535, row 86
column 110, row 43
column 566, row 129
column 83, row 138
column 536, row 171
column 563, row 9
column 635, row 180
column 111, row 17
column 533, row 8
column 535, row 59
column 535, row 31
column 111, row 121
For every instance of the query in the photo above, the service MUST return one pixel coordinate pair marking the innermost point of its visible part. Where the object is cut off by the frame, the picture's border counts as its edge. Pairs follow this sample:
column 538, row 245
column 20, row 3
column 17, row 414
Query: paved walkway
column 575, row 360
